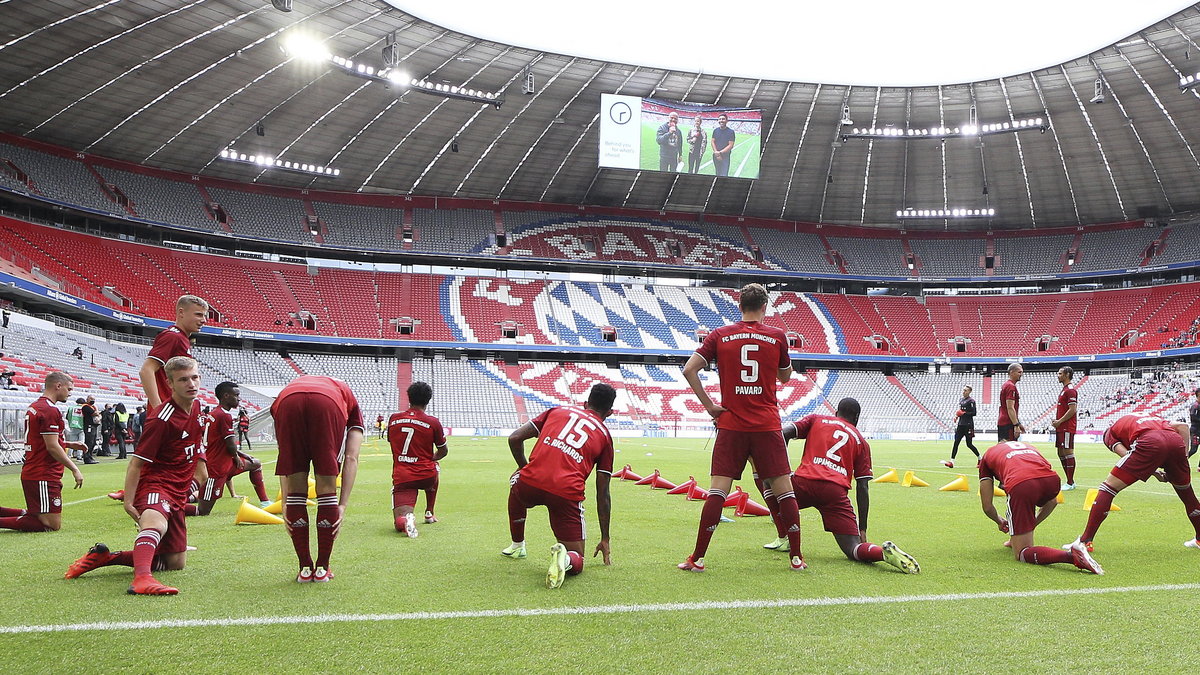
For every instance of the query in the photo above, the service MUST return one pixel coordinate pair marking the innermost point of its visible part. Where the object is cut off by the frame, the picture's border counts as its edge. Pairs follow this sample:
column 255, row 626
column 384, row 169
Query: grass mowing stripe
column 601, row 609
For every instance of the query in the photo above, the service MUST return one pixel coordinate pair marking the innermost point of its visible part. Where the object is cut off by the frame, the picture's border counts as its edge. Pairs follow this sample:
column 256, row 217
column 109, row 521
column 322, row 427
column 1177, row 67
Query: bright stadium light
column 912, row 214
column 1188, row 81
column 939, row 132
column 269, row 162
column 305, row 48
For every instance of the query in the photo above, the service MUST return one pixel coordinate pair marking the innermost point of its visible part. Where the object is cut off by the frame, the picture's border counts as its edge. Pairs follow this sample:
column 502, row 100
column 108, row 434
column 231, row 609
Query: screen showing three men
column 650, row 134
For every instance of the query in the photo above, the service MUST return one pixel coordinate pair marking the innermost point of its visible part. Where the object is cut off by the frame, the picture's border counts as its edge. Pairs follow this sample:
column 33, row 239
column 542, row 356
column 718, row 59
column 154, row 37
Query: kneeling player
column 570, row 442
column 833, row 448
column 414, row 435
column 157, row 482
column 1031, row 483
column 221, row 454
column 1145, row 444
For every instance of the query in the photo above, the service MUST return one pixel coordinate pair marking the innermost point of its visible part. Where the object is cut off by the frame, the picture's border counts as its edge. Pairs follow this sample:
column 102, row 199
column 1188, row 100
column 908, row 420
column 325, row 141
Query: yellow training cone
column 312, row 489
column 889, row 477
column 1058, row 499
column 911, row 480
column 1091, row 497
column 249, row 514
column 277, row 507
column 997, row 491
column 957, row 485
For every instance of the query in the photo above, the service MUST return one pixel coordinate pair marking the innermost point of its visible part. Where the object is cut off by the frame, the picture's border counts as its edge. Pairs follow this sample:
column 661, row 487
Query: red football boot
column 148, row 585
column 97, row 556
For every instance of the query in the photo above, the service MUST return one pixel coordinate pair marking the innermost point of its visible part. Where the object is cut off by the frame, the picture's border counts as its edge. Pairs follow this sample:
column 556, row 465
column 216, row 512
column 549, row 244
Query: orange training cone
column 957, row 485
column 628, row 474
column 1091, row 497
column 661, row 483
column 749, row 507
column 697, row 494
column 736, row 498
column 249, row 514
column 648, row 480
column 889, row 477
column 911, row 480
column 683, row 488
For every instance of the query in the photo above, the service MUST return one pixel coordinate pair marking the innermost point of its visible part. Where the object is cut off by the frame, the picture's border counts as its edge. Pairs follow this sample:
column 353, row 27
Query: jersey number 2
column 842, row 438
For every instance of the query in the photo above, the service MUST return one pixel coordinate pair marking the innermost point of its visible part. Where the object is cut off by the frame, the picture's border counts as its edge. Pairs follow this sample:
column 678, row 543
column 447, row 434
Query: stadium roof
column 170, row 84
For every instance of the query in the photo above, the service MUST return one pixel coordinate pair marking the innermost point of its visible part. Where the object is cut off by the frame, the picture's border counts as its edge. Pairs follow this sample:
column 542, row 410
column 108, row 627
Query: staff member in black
column 89, row 429
column 965, row 430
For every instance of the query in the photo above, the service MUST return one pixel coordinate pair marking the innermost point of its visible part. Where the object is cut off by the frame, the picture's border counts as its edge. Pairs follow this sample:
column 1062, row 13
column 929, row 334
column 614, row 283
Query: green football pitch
column 743, row 161
column 448, row 602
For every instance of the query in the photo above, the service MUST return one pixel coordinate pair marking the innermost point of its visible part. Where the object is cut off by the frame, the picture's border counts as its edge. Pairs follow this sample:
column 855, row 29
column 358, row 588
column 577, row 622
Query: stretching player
column 157, row 482
column 1009, row 427
column 1031, row 484
column 221, row 454
column 833, row 450
column 1145, row 444
column 751, row 358
column 45, row 457
column 314, row 415
column 414, row 437
column 555, row 476
column 1066, row 418
column 965, row 428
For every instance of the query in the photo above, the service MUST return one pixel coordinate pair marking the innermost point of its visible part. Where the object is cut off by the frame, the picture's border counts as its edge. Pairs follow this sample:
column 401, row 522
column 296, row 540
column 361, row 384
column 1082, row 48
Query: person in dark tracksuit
column 965, row 430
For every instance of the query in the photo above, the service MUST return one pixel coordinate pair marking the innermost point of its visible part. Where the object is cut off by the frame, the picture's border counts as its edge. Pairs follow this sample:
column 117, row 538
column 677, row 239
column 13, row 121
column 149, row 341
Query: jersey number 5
column 749, row 371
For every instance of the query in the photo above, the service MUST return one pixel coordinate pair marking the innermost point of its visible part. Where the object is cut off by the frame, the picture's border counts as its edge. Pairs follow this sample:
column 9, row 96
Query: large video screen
column 650, row 134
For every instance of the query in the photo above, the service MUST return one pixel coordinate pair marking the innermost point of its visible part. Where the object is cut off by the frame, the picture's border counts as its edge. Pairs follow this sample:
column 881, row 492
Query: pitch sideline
column 582, row 611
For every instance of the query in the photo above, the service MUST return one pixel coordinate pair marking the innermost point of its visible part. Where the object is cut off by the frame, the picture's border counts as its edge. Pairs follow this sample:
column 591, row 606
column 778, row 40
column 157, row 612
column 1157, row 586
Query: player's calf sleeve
column 295, row 512
column 327, row 515
column 431, row 495
column 1104, row 499
column 26, row 523
column 256, row 479
column 789, row 520
column 576, row 563
column 1044, row 555
column 516, row 517
column 11, row 513
column 870, row 553
column 145, row 547
column 1068, row 465
column 710, row 518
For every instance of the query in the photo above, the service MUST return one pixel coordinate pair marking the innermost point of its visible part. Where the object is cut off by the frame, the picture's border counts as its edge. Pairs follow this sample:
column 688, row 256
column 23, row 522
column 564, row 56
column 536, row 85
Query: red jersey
column 1127, row 429
column 1012, row 463
column 1009, row 393
column 170, row 442
column 834, row 450
column 571, row 441
column 167, row 345
column 749, row 356
column 218, row 427
column 330, row 387
column 1065, row 399
column 413, row 436
column 42, row 419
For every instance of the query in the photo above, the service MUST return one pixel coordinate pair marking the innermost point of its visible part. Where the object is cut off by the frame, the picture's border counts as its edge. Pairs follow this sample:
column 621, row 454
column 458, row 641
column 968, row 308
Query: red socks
column 26, row 523
column 1044, row 555
column 576, row 563
column 256, row 478
column 772, row 506
column 327, row 524
column 295, row 512
column 11, row 513
column 710, row 517
column 144, row 549
column 789, row 521
column 191, row 509
column 870, row 553
column 1104, row 499
column 1068, row 465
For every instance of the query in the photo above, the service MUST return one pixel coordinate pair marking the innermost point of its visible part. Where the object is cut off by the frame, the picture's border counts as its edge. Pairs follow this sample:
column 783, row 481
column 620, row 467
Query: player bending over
column 1031, row 483
column 314, row 415
column 833, row 451
column 157, row 482
column 570, row 442
column 752, row 358
column 45, row 457
column 418, row 444
column 1145, row 444
column 222, row 456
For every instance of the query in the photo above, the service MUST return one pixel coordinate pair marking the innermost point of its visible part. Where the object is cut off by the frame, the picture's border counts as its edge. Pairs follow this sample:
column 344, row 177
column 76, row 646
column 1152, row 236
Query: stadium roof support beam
column 942, row 148
column 1057, row 146
column 65, row 19
column 1133, row 127
column 799, row 145
column 982, row 157
column 833, row 146
column 904, row 166
column 1150, row 90
column 1020, row 158
column 767, row 139
column 1095, row 137
column 862, row 218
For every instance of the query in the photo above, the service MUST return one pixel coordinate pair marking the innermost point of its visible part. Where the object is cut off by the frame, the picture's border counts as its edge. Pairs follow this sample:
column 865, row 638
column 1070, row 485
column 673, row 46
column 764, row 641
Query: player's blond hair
column 178, row 364
column 1014, row 367
column 57, row 377
column 186, row 301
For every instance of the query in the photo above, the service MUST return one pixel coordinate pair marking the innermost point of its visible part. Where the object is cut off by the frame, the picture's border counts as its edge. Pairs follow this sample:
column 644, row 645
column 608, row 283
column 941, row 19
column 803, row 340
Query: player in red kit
column 1065, row 420
column 45, row 457
column 1009, row 427
column 418, row 444
column 1031, row 484
column 1145, row 444
column 221, row 453
column 571, row 441
column 314, row 416
column 157, row 483
column 835, row 451
column 751, row 358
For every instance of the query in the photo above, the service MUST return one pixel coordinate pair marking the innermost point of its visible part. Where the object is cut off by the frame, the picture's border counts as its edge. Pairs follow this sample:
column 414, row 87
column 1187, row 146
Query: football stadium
column 376, row 335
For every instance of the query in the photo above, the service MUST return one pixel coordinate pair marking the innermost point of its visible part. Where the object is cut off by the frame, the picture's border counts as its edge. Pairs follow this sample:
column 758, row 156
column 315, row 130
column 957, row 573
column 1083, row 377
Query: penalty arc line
column 583, row 611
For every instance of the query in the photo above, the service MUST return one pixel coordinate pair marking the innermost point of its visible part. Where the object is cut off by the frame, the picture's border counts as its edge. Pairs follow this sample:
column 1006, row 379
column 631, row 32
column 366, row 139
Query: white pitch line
column 582, row 611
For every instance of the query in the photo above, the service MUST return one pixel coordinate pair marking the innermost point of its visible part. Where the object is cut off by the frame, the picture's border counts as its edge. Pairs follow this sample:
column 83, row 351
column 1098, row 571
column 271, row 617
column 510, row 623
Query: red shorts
column 405, row 494
column 42, row 496
column 831, row 500
column 1023, row 500
column 1007, row 432
column 566, row 516
column 174, row 540
column 1156, row 449
column 766, row 448
column 310, row 429
column 1064, row 440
